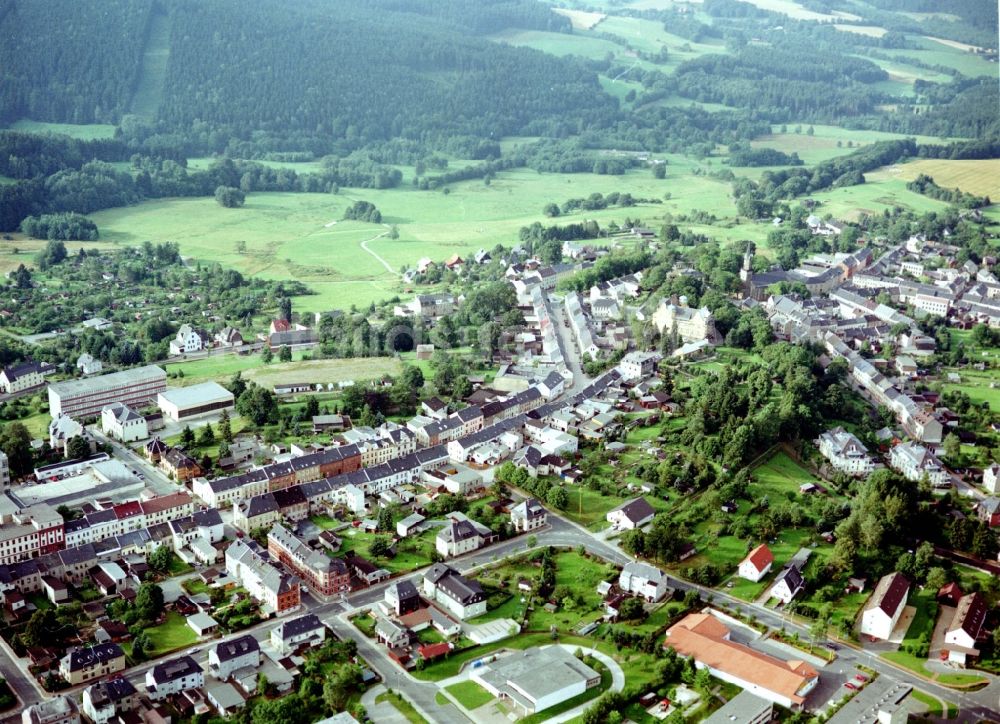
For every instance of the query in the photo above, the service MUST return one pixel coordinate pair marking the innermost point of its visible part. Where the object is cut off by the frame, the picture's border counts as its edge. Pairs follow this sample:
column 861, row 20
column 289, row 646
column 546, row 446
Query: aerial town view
column 490, row 361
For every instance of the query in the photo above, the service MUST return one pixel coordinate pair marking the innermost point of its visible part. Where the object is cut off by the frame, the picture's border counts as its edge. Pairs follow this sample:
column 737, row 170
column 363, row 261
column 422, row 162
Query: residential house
column 179, row 466
column 988, row 511
column 961, row 640
column 632, row 514
column 991, row 478
column 528, row 515
column 173, row 677
column 293, row 633
column 24, row 376
column 845, row 452
column 637, row 366
column 643, row 580
column 93, row 662
column 226, row 657
column 123, row 423
column 915, row 461
column 188, row 339
column 402, row 597
column 460, row 596
column 229, row 337
column 787, row 585
column 757, row 563
column 885, row 606
column 461, row 535
column 106, row 700
column 57, row 710
column 409, row 525
column 89, row 365
column 390, row 633
column 707, row 640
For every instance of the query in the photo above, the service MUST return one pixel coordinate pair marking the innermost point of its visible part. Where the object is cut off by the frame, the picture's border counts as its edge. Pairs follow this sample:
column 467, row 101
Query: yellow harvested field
column 324, row 370
column 873, row 31
column 580, row 19
column 981, row 178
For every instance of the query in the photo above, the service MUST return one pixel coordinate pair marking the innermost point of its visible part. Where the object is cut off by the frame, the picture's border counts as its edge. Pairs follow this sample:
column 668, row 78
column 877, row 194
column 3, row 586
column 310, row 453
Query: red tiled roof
column 127, row 510
column 760, row 557
column 432, row 651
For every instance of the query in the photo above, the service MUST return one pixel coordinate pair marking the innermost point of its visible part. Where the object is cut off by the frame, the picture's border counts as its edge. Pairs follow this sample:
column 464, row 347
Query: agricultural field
column 881, row 191
column 975, row 177
column 797, row 12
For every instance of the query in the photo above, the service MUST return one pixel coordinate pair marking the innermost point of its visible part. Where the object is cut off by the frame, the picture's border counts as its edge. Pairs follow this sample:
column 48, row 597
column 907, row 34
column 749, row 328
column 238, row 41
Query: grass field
column 172, row 634
column 470, row 694
column 84, row 132
column 797, row 12
column 822, row 144
column 153, row 70
column 880, row 192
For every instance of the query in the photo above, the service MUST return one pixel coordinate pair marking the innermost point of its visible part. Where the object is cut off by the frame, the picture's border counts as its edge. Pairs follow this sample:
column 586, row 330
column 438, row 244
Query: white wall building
column 123, row 423
column 845, row 452
column 643, row 580
column 885, row 606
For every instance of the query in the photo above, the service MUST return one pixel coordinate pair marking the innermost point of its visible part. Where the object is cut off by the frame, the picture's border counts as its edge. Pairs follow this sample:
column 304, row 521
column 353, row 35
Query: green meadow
column 84, row 132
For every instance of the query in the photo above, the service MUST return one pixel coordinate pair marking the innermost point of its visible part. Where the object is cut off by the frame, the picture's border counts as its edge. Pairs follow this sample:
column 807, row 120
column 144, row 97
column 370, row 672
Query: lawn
column 402, row 706
column 470, row 694
column 222, row 367
column 178, row 567
column 412, row 553
column 884, row 189
column 172, row 634
column 589, row 507
column 823, row 143
column 325, row 522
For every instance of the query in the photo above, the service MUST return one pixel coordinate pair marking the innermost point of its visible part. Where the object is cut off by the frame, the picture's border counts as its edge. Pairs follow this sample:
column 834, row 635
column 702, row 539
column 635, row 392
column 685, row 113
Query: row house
column 276, row 591
column 30, row 532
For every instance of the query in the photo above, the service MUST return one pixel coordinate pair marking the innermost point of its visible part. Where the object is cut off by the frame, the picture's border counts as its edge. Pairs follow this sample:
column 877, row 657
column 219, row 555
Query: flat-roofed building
column 183, row 402
column 85, row 398
column 744, row 708
column 536, row 679
column 57, row 710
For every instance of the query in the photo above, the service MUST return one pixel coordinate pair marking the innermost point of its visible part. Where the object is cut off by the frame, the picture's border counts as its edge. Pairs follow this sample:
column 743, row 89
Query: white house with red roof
column 757, row 564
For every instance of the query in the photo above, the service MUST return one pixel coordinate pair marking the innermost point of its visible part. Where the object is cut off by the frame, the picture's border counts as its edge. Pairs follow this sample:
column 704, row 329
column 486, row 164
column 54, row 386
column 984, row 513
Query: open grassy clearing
column 822, row 144
column 20, row 249
column 872, row 31
column 797, row 12
column 981, row 177
column 204, row 162
column 562, row 44
column 153, row 70
column 401, row 705
column 580, row 19
column 649, row 36
column 873, row 197
column 84, row 132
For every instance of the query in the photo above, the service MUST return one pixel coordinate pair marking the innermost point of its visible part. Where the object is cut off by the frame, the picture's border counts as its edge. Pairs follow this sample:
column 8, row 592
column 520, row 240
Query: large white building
column 461, row 535
column 757, row 564
column 914, row 461
column 459, row 595
column 885, row 606
column 963, row 634
column 84, row 398
column 643, row 580
column 181, row 403
column 123, row 423
column 845, row 452
column 536, row 679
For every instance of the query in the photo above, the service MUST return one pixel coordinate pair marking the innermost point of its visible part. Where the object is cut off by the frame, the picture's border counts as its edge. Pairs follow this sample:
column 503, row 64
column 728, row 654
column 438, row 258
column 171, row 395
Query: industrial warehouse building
column 85, row 398
column 184, row 402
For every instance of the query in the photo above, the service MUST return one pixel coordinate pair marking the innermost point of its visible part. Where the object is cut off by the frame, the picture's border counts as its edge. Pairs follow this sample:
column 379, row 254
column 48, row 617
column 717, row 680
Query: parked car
column 851, row 686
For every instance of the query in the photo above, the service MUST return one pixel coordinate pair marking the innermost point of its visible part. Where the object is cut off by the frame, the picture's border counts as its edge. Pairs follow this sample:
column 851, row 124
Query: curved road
column 383, row 262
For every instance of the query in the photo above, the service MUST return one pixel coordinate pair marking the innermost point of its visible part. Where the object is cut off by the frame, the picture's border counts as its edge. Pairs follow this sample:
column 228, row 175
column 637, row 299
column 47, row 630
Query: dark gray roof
column 299, row 626
column 93, row 656
column 230, row 650
column 174, row 669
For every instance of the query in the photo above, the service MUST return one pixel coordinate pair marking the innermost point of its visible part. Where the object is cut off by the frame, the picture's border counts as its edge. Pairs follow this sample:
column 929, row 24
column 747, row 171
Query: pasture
column 879, row 193
column 822, row 144
column 798, row 12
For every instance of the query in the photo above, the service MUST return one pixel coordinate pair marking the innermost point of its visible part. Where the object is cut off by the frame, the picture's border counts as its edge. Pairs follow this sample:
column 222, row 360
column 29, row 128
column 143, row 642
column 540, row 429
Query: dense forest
column 362, row 87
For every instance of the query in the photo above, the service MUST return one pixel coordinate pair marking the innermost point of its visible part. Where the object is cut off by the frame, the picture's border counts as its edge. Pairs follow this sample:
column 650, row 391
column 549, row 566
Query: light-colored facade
column 87, row 397
column 885, row 606
column 643, row 580
column 173, row 677
column 845, row 452
column 914, row 461
column 123, row 423
column 94, row 662
column 229, row 656
column 536, row 679
column 460, row 596
column 184, row 402
column 692, row 325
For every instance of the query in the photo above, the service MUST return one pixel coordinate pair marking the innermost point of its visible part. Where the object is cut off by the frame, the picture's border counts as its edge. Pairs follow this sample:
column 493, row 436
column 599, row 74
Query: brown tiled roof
column 702, row 636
